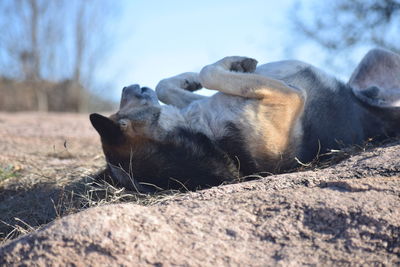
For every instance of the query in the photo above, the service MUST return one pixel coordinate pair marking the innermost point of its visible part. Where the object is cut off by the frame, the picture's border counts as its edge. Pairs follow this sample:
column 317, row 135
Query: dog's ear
column 109, row 131
column 376, row 80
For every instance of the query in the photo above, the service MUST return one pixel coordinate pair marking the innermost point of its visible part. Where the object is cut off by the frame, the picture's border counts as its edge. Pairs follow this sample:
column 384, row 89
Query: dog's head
column 125, row 135
column 141, row 157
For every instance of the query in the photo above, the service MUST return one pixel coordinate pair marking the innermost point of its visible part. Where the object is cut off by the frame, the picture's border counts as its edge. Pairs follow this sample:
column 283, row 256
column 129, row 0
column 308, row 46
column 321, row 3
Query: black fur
column 234, row 145
column 187, row 160
column 343, row 118
column 317, row 129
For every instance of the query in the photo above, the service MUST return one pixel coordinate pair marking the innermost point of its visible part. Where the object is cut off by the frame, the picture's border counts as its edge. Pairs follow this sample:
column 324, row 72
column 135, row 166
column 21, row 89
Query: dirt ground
column 341, row 213
column 43, row 159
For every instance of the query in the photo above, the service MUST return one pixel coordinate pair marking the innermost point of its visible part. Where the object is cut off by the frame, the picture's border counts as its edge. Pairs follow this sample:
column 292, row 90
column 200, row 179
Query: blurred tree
column 54, row 41
column 343, row 26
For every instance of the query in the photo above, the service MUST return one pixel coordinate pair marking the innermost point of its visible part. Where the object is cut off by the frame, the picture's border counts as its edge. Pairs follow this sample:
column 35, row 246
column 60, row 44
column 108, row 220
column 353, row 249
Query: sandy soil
column 42, row 154
column 60, row 136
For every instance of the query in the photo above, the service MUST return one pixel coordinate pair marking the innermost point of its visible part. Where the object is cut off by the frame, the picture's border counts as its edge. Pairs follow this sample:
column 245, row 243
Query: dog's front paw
column 191, row 82
column 191, row 85
column 239, row 64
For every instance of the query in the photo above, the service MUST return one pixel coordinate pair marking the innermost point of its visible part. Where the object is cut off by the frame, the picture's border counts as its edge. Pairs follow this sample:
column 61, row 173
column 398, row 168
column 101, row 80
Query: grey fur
column 335, row 114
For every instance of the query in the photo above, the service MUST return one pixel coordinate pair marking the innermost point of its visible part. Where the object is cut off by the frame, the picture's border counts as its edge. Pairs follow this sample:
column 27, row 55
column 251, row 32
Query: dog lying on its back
column 261, row 120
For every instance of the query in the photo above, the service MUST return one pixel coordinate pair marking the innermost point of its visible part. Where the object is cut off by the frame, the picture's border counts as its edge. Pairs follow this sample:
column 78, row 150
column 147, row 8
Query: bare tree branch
column 345, row 24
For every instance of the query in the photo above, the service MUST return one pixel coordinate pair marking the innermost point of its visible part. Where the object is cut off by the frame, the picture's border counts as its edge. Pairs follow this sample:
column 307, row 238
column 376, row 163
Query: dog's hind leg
column 177, row 90
column 275, row 109
column 376, row 80
column 376, row 83
column 233, row 75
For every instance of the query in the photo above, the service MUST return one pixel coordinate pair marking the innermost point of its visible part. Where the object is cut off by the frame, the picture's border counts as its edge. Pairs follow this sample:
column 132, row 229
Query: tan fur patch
column 274, row 132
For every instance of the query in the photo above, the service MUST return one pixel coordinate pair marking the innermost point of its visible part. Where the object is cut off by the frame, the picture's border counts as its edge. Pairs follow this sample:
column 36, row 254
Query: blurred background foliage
column 51, row 52
column 344, row 29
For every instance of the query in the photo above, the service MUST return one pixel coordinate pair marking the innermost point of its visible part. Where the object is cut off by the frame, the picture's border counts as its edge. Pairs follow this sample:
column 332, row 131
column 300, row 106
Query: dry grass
column 53, row 201
column 324, row 160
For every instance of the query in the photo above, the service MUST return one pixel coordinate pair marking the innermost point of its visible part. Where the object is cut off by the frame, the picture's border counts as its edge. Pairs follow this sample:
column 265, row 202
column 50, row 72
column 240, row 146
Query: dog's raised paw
column 192, row 85
column 244, row 65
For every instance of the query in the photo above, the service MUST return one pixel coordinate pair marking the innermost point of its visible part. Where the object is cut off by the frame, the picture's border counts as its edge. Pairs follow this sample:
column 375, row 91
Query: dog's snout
column 138, row 96
column 131, row 90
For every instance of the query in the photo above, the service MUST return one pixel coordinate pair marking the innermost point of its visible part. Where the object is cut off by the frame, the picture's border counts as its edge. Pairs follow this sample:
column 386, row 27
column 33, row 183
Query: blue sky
column 159, row 39
column 154, row 39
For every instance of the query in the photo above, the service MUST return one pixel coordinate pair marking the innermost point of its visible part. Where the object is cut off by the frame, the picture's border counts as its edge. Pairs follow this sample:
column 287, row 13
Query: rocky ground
column 343, row 214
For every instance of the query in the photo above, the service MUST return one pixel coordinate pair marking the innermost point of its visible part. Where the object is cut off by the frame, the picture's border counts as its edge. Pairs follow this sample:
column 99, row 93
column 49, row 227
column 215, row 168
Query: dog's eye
column 123, row 123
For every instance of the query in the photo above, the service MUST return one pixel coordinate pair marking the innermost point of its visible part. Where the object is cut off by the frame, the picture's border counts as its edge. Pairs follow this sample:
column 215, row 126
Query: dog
column 262, row 119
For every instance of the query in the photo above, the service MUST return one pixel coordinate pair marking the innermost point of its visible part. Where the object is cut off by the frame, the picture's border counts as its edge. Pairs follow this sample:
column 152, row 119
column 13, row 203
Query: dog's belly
column 211, row 115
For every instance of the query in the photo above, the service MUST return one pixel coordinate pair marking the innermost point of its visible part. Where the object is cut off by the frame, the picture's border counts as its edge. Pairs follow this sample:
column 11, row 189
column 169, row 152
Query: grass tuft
column 53, row 201
column 10, row 171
